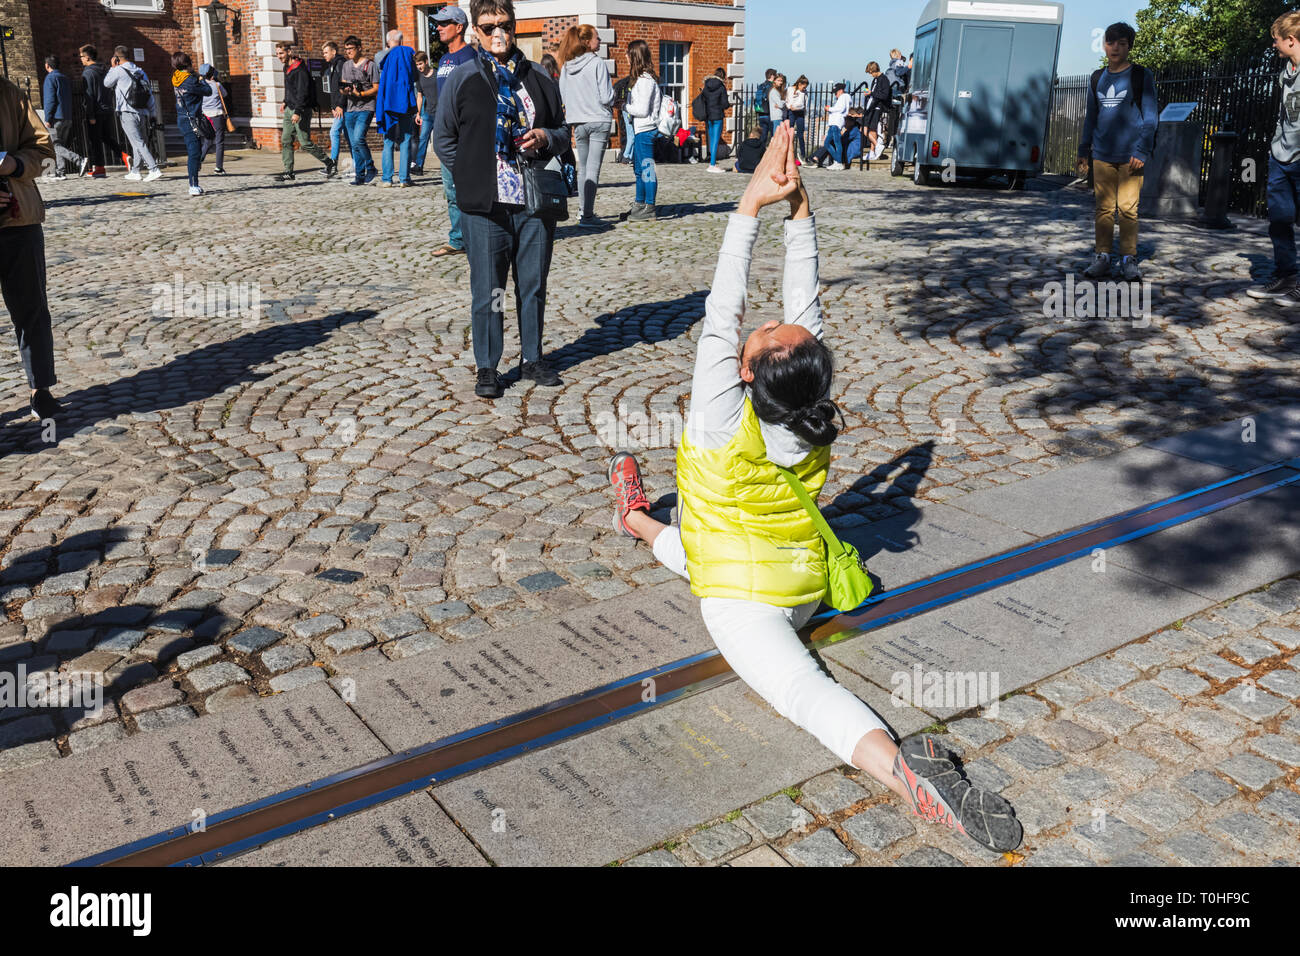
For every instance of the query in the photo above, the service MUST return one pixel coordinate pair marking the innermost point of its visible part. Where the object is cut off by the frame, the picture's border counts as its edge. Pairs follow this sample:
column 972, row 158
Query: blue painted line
column 508, row 753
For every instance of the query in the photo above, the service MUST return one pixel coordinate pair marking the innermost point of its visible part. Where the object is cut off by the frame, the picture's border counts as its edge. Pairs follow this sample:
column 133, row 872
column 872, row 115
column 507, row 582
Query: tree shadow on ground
column 194, row 376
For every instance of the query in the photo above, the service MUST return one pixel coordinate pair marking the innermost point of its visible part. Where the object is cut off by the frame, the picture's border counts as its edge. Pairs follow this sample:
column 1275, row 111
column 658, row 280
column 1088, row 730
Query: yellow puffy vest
column 745, row 533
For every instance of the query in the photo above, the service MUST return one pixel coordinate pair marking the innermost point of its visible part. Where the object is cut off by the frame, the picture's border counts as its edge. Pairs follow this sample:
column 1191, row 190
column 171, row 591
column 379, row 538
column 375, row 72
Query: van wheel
column 896, row 161
column 920, row 172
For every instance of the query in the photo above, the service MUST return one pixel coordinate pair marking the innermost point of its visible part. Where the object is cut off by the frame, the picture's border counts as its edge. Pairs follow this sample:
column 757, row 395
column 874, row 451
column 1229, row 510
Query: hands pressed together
column 777, row 178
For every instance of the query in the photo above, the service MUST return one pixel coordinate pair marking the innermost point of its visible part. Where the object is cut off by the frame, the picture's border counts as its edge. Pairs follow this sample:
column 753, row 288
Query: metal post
column 5, row 33
column 1219, row 190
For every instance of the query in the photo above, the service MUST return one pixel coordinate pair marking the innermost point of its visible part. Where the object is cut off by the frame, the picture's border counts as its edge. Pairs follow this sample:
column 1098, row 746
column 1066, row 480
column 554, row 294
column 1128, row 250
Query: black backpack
column 1138, row 86
column 698, row 109
column 760, row 97
column 138, row 93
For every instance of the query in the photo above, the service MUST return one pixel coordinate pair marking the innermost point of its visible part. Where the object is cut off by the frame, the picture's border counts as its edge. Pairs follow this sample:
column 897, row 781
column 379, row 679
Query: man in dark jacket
column 56, row 97
column 331, row 77
column 101, row 139
column 299, row 104
column 716, row 103
column 495, row 113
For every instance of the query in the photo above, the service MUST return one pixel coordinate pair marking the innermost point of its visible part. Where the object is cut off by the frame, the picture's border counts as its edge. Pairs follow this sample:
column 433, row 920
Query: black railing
column 817, row 98
column 1241, row 96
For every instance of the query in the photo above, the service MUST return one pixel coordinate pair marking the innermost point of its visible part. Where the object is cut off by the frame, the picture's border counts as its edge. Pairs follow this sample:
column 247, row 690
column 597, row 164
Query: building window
column 531, row 46
column 135, row 6
column 673, row 69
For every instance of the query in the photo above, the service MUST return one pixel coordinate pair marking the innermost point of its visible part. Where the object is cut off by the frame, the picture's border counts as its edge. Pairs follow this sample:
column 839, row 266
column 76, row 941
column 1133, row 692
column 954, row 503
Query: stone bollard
column 1219, row 191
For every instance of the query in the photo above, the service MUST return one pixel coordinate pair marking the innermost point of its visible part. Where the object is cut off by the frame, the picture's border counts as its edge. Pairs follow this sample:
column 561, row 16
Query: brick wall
column 20, row 52
column 708, row 50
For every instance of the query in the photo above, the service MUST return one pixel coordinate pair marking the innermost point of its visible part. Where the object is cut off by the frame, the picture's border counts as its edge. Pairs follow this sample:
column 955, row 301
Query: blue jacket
column 189, row 98
column 396, row 87
column 55, row 96
column 1116, row 129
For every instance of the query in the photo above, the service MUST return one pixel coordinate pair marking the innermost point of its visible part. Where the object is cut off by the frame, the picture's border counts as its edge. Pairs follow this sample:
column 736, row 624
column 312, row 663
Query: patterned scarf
column 512, row 120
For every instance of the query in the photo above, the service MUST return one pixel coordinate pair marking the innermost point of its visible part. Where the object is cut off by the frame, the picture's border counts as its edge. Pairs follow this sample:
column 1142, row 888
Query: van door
column 979, row 95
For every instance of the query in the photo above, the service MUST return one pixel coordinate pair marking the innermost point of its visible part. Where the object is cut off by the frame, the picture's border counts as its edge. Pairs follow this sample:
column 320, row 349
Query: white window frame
column 681, row 87
column 143, row 7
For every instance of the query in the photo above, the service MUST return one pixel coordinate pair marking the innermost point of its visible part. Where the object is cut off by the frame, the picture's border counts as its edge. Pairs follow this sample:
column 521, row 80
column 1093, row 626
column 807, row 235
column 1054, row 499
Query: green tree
column 1177, row 31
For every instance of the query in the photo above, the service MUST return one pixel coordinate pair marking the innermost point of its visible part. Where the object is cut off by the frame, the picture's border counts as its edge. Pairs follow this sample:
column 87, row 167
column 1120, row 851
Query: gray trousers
column 136, row 127
column 58, row 133
column 590, row 141
column 22, row 281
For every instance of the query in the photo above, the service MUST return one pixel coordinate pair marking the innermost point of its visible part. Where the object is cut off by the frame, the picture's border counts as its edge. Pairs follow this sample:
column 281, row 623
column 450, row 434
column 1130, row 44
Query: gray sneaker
column 644, row 214
column 1128, row 268
column 1290, row 298
column 940, row 794
column 1275, row 289
column 1100, row 266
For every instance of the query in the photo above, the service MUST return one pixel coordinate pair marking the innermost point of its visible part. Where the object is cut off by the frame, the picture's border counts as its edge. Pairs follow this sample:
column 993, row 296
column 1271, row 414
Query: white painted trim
column 267, row 18
column 284, row 6
column 632, row 9
column 205, row 37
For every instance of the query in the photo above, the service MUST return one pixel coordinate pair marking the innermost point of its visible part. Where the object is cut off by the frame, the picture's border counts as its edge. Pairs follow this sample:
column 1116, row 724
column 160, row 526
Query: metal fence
column 818, row 98
column 78, row 135
column 1241, row 96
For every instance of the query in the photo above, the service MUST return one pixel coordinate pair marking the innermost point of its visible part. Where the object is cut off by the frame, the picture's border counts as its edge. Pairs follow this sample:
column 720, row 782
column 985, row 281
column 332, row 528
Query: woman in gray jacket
column 588, row 107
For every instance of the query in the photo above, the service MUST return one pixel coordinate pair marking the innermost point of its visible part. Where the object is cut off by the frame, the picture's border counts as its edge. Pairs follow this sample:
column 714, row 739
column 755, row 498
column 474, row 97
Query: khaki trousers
column 1116, row 189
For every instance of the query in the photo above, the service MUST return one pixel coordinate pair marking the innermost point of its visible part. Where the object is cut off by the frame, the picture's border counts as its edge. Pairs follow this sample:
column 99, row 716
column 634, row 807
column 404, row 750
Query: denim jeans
column 136, row 128
column 1283, row 213
column 494, row 242
column 590, row 140
column 629, row 136
column 357, row 122
column 22, row 280
column 835, row 143
column 193, row 150
column 643, row 162
column 336, row 131
column 426, row 131
column 400, row 136
column 715, row 137
column 853, row 148
column 764, row 129
column 799, row 120
column 454, row 237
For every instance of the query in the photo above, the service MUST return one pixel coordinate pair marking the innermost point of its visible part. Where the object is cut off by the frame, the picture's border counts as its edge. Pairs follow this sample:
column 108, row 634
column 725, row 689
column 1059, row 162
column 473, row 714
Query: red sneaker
column 629, row 493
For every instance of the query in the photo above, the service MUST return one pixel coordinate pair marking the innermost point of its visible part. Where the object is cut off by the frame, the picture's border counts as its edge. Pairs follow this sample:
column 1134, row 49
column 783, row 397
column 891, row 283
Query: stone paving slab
column 120, row 792
column 1273, row 436
column 411, row 831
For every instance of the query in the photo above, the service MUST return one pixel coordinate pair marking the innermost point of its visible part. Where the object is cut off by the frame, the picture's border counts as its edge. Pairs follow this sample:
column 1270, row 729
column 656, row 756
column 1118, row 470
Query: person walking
column 130, row 85
column 299, row 104
column 427, row 77
column 1284, row 169
column 760, row 425
column 588, row 98
column 190, row 90
column 716, row 103
column 26, row 149
column 495, row 114
column 397, row 110
column 879, row 102
column 56, row 97
column 332, row 85
column 101, row 140
column 214, row 108
column 452, row 23
column 1119, row 132
column 762, row 106
column 643, row 102
column 359, row 81
column 797, row 103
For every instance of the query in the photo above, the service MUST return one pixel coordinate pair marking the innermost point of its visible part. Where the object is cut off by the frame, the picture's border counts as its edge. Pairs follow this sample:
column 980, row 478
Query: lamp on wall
column 217, row 10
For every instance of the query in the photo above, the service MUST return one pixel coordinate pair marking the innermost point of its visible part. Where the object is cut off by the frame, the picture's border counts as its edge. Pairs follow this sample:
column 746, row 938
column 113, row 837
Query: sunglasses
column 506, row 26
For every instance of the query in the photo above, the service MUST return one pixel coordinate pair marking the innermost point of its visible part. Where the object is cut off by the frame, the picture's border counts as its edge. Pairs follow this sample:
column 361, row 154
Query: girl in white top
column 776, row 100
column 643, row 106
column 797, row 103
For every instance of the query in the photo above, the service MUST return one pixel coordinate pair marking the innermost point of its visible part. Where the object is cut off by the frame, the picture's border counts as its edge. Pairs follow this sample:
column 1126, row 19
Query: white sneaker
column 716, row 169
column 835, row 166
column 133, row 176
column 196, row 190
column 153, row 174
column 692, row 160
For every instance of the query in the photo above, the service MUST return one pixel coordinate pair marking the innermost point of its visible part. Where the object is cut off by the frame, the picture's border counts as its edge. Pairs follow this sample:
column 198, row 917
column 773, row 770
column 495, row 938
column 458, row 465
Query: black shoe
column 941, row 794
column 44, row 406
column 417, row 170
column 1275, row 289
column 331, row 167
column 219, row 171
column 488, row 384
column 284, row 177
column 540, row 373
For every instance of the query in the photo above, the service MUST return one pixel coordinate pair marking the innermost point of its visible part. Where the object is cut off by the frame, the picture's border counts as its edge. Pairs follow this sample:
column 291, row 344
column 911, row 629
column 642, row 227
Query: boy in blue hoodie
column 1119, row 135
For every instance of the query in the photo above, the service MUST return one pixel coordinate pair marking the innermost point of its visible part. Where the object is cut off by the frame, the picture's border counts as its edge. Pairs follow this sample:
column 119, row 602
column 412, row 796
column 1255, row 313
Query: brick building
column 688, row 38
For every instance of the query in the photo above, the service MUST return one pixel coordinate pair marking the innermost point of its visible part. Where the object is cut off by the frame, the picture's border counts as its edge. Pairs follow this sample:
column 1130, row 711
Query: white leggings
column 759, row 642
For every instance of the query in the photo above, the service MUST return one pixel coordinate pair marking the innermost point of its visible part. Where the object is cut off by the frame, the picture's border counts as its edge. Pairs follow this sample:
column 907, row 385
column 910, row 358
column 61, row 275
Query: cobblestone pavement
column 243, row 503
column 1182, row 748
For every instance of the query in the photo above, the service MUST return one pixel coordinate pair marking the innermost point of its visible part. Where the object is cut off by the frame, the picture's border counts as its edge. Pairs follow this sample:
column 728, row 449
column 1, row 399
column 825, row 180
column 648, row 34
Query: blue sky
column 841, row 37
